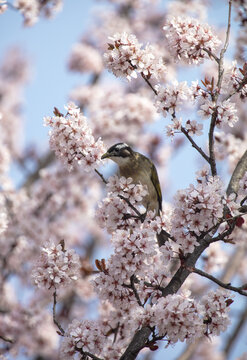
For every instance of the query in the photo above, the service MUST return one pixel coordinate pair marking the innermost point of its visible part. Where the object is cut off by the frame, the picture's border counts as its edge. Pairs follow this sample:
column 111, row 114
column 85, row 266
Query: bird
column 142, row 170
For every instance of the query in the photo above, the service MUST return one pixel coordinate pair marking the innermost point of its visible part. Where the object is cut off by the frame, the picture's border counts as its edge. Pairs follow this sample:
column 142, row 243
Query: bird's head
column 120, row 153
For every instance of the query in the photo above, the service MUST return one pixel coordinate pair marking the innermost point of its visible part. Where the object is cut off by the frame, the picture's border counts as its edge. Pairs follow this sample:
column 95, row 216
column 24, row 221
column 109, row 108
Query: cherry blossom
column 171, row 98
column 85, row 58
column 125, row 58
column 216, row 310
column 56, row 267
column 31, row 9
column 193, row 127
column 72, row 140
column 189, row 40
column 196, row 210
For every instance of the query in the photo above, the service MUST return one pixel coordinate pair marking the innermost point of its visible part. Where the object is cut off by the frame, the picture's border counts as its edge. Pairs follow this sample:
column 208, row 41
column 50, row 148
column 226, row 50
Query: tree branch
column 215, row 96
column 101, row 176
column 87, row 354
column 220, row 283
column 194, row 145
column 237, row 175
column 6, row 339
column 62, row 332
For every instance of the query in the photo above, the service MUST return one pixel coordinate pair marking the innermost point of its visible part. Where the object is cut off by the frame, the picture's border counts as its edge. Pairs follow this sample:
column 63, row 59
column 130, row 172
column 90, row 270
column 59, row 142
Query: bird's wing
column 156, row 183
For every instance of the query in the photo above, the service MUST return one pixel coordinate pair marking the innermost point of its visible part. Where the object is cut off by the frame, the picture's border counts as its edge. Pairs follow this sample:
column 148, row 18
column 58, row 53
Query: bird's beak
column 105, row 156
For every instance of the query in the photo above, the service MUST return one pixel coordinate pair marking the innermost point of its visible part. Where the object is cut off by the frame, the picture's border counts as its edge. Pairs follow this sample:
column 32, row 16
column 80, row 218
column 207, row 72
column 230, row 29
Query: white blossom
column 188, row 39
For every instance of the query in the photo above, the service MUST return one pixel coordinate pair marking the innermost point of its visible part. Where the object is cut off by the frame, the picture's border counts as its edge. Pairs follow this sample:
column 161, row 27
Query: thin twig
column 132, row 282
column 149, row 83
column 212, row 161
column 216, row 95
column 212, row 55
column 241, row 85
column 220, row 283
column 54, row 314
column 101, row 176
column 86, row 353
column 6, row 339
column 194, row 145
column 131, row 206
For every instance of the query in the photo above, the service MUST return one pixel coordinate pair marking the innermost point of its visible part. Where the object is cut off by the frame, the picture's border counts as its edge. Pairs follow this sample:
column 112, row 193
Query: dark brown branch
column 140, row 216
column 212, row 161
column 6, row 339
column 62, row 332
column 137, row 344
column 101, row 176
column 87, row 354
column 149, row 83
column 240, row 86
column 237, row 175
column 132, row 282
column 220, row 283
column 194, row 145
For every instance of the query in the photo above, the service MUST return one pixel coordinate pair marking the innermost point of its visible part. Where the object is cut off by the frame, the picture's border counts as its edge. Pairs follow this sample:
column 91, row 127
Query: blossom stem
column 216, row 95
column 132, row 282
column 240, row 86
column 228, row 286
column 6, row 339
column 87, row 354
column 212, row 55
column 194, row 145
column 62, row 332
column 101, row 176
column 149, row 83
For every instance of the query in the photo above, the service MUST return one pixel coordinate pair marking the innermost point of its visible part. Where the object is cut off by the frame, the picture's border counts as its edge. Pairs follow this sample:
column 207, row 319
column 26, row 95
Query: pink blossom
column 216, row 311
column 197, row 209
column 55, row 267
column 226, row 113
column 193, row 127
column 170, row 98
column 72, row 140
column 125, row 58
column 174, row 316
column 188, row 39
column 85, row 58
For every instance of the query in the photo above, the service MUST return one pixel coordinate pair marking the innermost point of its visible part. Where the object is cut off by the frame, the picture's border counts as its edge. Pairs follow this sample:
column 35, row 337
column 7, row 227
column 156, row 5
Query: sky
column 48, row 44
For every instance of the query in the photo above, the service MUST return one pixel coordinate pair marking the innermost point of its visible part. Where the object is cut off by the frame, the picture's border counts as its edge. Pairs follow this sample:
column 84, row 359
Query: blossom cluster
column 31, row 9
column 116, row 114
column 172, row 97
column 125, row 58
column 72, row 140
column 197, row 210
column 179, row 313
column 114, row 211
column 189, row 40
column 85, row 58
column 233, row 78
column 133, row 256
column 55, row 267
column 216, row 308
column 225, row 112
